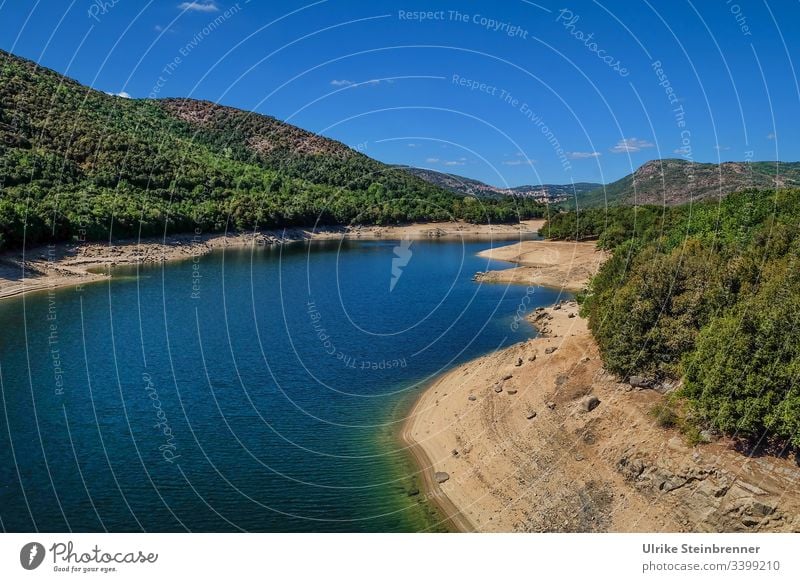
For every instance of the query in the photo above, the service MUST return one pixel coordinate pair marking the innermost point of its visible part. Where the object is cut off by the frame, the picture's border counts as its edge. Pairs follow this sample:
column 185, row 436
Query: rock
column 511, row 392
column 556, row 307
column 472, row 398
column 532, row 358
column 584, row 359
column 550, row 350
column 571, row 315
column 454, row 452
column 507, row 377
column 519, row 362
column 761, row 509
column 551, row 405
column 640, row 382
column 441, row 476
column 413, row 492
column 498, row 388
column 590, row 403
column 674, row 482
column 531, row 415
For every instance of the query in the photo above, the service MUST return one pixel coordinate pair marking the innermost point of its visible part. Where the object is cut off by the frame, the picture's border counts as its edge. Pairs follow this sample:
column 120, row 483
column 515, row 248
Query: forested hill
column 708, row 294
column 78, row 161
column 672, row 182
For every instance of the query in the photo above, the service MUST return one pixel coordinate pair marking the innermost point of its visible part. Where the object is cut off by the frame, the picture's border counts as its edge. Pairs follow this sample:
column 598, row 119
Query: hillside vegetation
column 671, row 182
column 707, row 293
column 75, row 162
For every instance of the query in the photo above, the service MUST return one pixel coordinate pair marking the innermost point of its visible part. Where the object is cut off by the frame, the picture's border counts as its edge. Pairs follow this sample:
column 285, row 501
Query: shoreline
column 46, row 268
column 539, row 263
column 444, row 507
column 557, row 264
column 539, row 437
column 468, row 380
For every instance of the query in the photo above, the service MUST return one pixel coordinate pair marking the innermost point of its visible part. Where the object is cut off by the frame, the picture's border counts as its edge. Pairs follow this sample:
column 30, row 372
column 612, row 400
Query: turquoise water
column 246, row 390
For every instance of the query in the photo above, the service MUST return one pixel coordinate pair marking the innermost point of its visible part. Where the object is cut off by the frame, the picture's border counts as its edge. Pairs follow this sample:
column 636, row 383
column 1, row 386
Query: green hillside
column 708, row 294
column 77, row 162
column 672, row 182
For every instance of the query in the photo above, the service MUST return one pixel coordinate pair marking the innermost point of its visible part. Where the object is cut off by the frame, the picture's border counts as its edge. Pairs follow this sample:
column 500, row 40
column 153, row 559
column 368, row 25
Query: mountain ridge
column 79, row 163
column 546, row 193
column 675, row 181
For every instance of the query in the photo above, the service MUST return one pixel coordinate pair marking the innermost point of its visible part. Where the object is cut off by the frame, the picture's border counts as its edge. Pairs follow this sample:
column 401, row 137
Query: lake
column 257, row 390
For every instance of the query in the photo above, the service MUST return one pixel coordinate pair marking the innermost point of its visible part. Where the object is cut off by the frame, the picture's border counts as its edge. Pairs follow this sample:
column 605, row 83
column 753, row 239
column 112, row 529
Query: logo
column 31, row 555
column 402, row 256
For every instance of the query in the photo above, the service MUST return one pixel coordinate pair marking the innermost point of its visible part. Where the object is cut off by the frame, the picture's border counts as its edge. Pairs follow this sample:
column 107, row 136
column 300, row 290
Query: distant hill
column 76, row 162
column 551, row 193
column 674, row 181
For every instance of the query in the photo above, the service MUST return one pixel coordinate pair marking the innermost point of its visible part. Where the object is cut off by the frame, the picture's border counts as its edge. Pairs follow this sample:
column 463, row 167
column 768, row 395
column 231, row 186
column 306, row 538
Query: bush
column 708, row 292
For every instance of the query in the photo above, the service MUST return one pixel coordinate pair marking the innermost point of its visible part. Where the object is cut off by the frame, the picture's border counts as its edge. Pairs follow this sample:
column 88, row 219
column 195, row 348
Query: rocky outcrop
column 705, row 497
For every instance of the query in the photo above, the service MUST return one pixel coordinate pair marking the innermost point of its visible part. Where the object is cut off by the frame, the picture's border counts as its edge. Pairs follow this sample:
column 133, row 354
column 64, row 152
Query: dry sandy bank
column 539, row 437
column 563, row 265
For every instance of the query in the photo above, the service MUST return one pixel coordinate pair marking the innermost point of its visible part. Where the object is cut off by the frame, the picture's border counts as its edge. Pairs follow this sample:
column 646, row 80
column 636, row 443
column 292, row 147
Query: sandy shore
column 540, row 438
column 563, row 265
column 68, row 265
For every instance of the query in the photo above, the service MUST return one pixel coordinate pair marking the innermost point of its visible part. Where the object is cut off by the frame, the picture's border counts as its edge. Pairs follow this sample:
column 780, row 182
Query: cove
column 251, row 389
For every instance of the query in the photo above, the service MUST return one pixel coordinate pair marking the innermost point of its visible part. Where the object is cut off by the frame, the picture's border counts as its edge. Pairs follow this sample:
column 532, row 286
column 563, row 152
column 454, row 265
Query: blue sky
column 510, row 92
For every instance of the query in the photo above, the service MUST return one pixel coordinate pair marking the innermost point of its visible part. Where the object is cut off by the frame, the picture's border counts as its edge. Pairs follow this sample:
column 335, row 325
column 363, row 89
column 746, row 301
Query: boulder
column 590, row 403
column 498, row 388
column 551, row 405
column 472, row 398
column 511, row 392
column 507, row 377
column 531, row 415
column 571, row 315
column 640, row 382
column 519, row 362
column 441, row 476
column 550, row 350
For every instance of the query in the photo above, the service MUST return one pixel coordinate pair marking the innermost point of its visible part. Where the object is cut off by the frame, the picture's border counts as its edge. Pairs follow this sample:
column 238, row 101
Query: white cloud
column 721, row 148
column 348, row 83
column 583, row 155
column 458, row 162
column 413, row 145
column 631, row 144
column 199, row 6
column 519, row 162
column 771, row 135
column 122, row 94
column 683, row 151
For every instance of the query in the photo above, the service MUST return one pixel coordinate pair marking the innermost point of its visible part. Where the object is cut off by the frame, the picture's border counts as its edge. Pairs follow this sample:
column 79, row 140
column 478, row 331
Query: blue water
column 247, row 390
